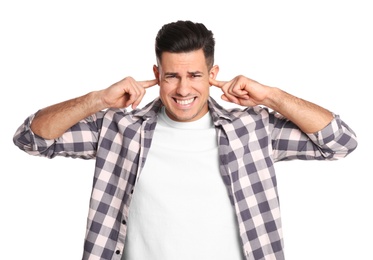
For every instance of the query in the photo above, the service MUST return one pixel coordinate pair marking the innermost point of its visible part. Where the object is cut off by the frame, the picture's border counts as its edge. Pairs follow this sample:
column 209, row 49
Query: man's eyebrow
column 195, row 72
column 170, row 73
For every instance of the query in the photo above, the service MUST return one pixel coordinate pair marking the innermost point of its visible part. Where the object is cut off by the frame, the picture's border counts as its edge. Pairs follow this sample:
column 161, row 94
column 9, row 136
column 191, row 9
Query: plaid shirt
column 250, row 141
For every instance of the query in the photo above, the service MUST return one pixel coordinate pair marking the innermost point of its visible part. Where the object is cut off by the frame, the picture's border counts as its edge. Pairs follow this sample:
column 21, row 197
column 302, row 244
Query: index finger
column 217, row 83
column 148, row 83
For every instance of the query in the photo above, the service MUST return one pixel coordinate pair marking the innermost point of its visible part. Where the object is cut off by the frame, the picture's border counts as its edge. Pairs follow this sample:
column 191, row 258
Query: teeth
column 184, row 102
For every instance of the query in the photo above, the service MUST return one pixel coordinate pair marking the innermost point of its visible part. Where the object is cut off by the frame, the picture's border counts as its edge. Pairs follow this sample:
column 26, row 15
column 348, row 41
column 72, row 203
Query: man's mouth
column 184, row 102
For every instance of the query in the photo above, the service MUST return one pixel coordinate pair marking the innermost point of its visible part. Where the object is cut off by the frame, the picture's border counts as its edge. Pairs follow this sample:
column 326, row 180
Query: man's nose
column 183, row 87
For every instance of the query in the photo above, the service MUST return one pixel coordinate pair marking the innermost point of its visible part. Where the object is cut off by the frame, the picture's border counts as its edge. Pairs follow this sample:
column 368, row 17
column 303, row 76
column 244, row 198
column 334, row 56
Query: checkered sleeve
column 80, row 141
column 337, row 139
column 334, row 141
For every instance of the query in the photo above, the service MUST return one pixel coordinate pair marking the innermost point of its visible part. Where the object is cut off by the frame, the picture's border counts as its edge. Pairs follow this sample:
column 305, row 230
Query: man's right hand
column 126, row 92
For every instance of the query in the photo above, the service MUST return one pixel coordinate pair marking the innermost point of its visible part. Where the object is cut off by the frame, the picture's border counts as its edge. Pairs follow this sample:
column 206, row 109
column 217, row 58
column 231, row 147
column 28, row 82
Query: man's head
column 185, row 59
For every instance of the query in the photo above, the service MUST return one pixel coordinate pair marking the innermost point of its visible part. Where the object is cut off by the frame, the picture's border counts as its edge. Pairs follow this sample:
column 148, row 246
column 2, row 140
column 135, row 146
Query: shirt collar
column 219, row 114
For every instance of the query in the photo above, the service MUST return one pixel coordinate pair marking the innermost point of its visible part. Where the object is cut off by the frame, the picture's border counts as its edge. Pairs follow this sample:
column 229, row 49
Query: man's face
column 184, row 84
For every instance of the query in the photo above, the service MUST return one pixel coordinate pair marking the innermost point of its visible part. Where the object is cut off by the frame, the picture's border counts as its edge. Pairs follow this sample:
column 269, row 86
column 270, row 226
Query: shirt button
column 124, row 222
column 117, row 252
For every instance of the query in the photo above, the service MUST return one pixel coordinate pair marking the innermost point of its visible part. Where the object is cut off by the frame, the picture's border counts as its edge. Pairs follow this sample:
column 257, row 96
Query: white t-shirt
column 180, row 207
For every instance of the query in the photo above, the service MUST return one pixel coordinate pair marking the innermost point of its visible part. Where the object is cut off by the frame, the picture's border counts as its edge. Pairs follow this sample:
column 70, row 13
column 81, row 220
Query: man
column 184, row 178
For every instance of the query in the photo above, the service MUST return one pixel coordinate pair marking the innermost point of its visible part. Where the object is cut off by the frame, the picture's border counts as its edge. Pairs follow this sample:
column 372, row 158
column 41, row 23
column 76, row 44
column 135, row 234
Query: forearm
column 51, row 122
column 309, row 117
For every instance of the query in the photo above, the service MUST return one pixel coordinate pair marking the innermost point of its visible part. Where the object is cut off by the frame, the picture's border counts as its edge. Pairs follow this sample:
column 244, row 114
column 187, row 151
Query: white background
column 55, row 50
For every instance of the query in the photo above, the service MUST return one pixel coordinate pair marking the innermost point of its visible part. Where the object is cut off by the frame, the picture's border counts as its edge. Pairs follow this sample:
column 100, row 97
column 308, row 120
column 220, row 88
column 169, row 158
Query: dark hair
column 185, row 36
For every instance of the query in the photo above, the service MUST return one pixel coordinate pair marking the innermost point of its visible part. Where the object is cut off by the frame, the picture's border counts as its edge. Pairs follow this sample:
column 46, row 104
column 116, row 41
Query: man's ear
column 214, row 71
column 156, row 72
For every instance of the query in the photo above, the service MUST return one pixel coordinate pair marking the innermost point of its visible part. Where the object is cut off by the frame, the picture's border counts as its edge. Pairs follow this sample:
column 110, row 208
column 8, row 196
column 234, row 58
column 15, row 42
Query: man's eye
column 196, row 75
